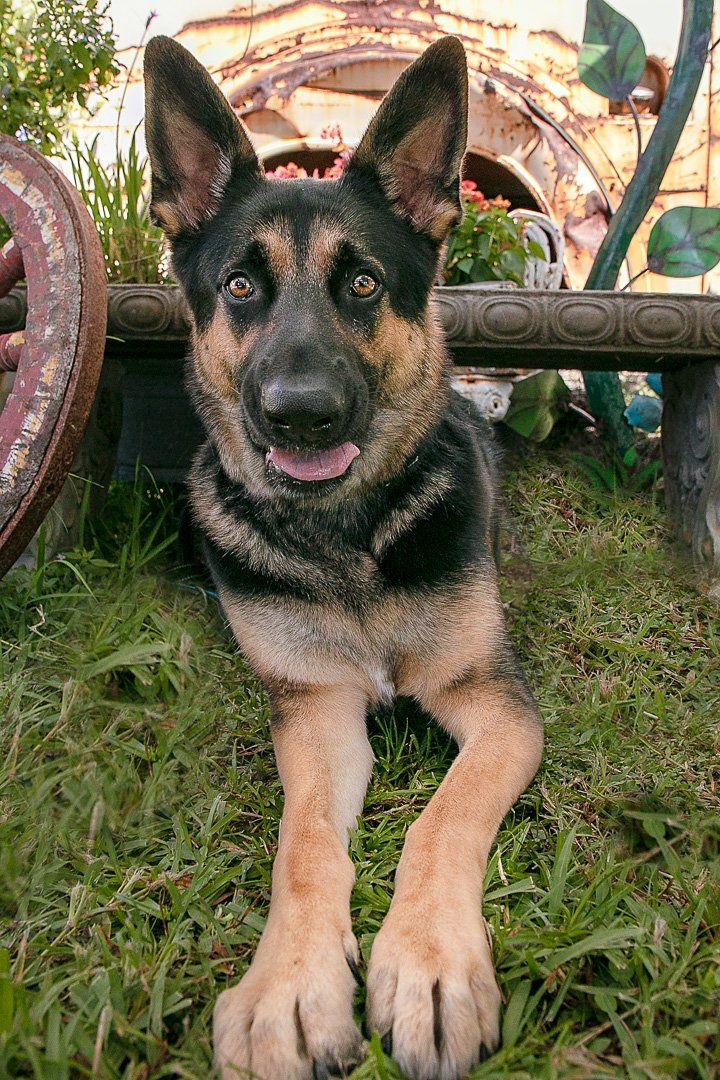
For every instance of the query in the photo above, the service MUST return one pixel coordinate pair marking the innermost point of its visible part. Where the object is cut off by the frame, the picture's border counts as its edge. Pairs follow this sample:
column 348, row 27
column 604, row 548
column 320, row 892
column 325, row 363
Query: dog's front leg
column 431, row 984
column 291, row 1015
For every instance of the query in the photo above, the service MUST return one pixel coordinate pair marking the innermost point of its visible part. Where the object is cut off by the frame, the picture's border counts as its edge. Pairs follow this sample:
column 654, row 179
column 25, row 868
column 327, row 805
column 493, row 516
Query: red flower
column 286, row 172
column 469, row 192
column 292, row 170
column 333, row 133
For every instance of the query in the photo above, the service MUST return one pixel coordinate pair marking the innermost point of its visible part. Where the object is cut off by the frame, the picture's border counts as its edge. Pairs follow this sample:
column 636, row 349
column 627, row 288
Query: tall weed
column 118, row 198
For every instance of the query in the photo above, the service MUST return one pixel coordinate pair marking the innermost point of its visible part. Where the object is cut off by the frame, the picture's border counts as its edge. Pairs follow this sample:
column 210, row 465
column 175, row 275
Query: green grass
column 139, row 804
column 117, row 196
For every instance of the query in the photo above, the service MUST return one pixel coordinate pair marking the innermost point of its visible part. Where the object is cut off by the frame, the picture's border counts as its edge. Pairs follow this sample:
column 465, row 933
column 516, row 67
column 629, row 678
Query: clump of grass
column 139, row 803
column 117, row 196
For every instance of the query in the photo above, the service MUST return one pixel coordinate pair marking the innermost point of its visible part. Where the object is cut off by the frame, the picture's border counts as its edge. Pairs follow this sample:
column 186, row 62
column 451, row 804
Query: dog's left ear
column 194, row 139
column 415, row 143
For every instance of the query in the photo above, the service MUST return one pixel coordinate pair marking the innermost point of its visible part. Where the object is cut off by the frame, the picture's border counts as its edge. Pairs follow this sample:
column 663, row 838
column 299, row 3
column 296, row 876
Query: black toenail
column 437, row 1020
column 353, row 965
column 320, row 1071
column 485, row 1053
column 386, row 1043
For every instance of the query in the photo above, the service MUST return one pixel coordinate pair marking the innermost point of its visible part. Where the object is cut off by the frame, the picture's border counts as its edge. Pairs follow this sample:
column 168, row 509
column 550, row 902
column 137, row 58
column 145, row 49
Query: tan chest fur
column 401, row 643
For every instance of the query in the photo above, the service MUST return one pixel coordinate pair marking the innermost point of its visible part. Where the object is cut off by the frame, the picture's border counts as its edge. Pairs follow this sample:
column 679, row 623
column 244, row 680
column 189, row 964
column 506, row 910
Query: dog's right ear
column 195, row 141
column 414, row 145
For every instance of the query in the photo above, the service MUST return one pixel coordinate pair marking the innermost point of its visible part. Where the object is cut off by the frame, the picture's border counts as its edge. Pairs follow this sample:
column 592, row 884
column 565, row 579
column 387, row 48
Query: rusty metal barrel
column 58, row 356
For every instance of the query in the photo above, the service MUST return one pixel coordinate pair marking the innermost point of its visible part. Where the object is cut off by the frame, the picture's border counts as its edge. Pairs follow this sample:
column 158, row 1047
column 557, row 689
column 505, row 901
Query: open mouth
column 314, row 464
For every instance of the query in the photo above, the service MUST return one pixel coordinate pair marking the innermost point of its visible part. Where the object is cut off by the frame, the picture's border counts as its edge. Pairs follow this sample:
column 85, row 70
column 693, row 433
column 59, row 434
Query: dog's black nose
column 303, row 411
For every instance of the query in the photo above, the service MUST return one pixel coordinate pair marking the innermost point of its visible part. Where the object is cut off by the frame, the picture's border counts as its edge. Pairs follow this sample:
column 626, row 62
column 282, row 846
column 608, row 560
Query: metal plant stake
column 685, row 241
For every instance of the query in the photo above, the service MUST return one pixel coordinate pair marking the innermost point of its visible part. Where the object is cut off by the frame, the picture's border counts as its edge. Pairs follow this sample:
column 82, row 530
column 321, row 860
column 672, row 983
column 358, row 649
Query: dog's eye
column 239, row 287
column 364, row 285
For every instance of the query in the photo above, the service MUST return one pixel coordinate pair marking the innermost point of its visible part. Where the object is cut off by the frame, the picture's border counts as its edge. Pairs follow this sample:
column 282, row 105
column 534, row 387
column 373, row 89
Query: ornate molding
column 151, row 316
column 600, row 331
column 142, row 312
column 595, row 331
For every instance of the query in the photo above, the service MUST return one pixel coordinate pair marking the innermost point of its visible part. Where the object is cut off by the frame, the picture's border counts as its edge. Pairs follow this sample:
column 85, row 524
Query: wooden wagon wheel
column 57, row 358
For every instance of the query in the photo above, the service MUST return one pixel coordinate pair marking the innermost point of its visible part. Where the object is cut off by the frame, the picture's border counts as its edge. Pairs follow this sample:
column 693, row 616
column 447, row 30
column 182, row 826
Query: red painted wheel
column 57, row 358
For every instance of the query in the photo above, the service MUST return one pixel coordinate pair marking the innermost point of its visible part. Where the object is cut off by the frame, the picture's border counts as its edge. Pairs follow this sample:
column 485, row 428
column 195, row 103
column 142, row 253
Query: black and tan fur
column 346, row 592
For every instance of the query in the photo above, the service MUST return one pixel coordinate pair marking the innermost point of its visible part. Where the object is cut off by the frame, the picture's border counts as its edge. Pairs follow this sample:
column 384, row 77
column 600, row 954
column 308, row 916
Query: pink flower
column 286, row 172
column 292, row 170
column 333, row 133
column 469, row 191
column 334, row 171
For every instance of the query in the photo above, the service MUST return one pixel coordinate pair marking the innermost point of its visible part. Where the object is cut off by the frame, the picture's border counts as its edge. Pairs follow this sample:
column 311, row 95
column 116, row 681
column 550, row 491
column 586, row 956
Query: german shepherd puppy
column 347, row 500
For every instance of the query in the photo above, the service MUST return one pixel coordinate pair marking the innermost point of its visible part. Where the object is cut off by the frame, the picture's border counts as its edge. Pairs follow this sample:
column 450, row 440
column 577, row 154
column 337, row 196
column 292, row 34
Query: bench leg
column 691, row 461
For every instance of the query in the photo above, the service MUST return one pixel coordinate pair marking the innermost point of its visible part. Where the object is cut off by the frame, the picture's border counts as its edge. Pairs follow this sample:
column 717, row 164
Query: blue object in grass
column 654, row 381
column 201, row 589
column 644, row 412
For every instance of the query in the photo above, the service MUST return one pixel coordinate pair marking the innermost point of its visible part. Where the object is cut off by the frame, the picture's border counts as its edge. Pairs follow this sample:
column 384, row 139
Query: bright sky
column 130, row 16
column 657, row 20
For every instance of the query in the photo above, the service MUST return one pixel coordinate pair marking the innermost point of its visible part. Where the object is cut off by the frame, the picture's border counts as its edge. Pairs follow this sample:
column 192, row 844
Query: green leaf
column 685, row 241
column 481, row 271
column 6, row 992
column 535, row 405
column 512, row 264
column 601, row 940
column 563, row 856
column 127, row 656
column 611, row 60
column 512, row 1021
column 379, row 1057
column 483, row 246
column 536, row 250
column 488, row 245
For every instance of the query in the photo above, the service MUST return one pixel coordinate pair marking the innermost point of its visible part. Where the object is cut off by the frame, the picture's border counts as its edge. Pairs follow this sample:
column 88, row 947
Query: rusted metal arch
column 269, row 76
column 58, row 356
column 298, row 58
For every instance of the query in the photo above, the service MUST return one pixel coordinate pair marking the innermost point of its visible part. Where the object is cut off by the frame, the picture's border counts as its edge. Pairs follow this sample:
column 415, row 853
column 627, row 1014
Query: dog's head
column 316, row 362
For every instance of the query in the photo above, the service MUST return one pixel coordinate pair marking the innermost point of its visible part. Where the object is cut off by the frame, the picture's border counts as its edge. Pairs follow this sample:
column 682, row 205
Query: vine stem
column 128, row 77
column 638, row 129
column 603, row 388
column 642, row 189
column 634, row 278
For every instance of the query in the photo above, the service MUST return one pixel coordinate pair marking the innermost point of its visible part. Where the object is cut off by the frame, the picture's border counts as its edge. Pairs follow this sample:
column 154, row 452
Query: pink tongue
column 316, row 465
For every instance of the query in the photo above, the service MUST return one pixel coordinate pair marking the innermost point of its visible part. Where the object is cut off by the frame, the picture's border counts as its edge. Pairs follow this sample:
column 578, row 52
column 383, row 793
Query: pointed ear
column 415, row 143
column 194, row 139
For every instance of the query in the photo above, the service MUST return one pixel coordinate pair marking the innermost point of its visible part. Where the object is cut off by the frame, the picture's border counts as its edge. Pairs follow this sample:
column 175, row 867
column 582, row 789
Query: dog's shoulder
column 442, row 521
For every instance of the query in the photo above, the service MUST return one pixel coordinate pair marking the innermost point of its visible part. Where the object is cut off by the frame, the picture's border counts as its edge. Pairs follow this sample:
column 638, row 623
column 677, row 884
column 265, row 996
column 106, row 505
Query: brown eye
column 364, row 285
column 239, row 287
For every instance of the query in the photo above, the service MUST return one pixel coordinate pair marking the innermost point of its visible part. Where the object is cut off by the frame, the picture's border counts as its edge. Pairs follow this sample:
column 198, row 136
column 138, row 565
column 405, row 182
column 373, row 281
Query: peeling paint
column 59, row 355
column 524, row 88
column 588, row 231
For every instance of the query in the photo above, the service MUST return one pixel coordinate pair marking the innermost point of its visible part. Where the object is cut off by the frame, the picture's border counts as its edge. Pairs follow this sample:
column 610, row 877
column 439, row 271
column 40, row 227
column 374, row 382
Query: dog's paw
column 291, row 1016
column 432, row 993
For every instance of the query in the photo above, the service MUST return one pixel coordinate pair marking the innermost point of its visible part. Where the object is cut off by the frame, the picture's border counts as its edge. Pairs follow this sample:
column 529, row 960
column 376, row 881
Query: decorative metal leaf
column 685, row 241
column 536, row 404
column 644, row 412
column 654, row 380
column 612, row 56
